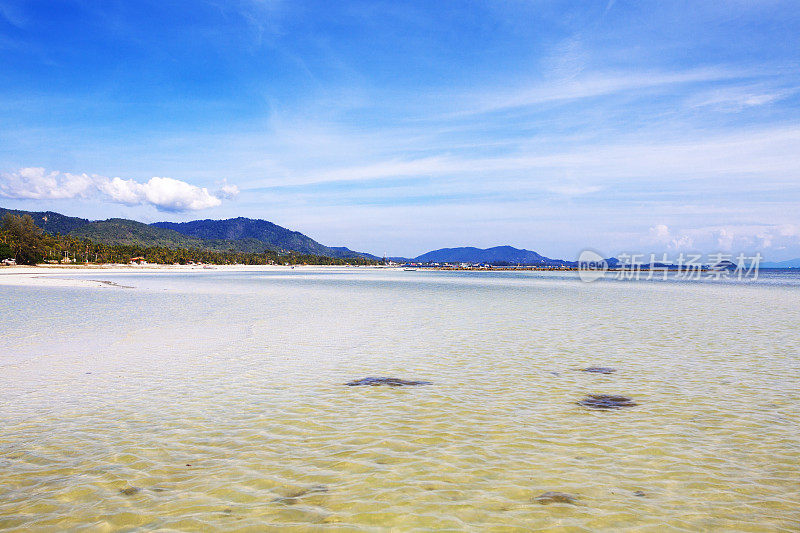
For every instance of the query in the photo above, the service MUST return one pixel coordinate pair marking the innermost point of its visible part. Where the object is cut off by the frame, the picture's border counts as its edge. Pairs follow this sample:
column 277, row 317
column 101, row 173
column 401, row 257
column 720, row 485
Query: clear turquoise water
column 219, row 396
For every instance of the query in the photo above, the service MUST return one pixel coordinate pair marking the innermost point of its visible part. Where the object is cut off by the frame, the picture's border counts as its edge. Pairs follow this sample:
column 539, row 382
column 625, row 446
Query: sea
column 217, row 400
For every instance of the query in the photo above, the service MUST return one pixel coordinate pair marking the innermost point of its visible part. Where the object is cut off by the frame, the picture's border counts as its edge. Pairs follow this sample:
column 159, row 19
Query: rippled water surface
column 215, row 400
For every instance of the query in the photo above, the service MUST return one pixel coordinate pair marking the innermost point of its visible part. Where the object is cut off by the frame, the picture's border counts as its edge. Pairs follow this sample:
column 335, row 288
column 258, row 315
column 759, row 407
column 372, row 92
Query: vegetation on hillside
column 242, row 230
column 20, row 236
column 129, row 232
column 120, row 231
column 49, row 221
column 236, row 235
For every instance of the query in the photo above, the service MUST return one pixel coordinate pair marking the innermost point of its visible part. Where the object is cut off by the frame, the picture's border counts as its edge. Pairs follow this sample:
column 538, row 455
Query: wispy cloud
column 574, row 190
column 741, row 97
column 552, row 125
column 166, row 194
column 760, row 151
column 12, row 13
column 589, row 85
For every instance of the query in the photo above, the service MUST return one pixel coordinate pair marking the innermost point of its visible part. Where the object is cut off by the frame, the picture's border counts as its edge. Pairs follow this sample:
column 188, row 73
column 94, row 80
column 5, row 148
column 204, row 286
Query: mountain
column 791, row 263
column 253, row 236
column 237, row 229
column 498, row 254
column 49, row 221
column 236, row 234
column 123, row 231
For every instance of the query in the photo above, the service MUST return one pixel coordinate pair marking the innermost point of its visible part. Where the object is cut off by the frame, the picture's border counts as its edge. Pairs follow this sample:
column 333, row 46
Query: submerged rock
column 129, row 491
column 110, row 283
column 391, row 382
column 599, row 370
column 556, row 497
column 606, row 401
column 292, row 498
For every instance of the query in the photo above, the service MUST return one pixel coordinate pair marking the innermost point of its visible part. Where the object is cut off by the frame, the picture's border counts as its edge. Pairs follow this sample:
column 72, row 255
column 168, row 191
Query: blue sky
column 401, row 127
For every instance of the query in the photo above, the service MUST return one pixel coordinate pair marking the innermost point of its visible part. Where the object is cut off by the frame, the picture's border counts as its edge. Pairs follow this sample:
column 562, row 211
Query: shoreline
column 48, row 275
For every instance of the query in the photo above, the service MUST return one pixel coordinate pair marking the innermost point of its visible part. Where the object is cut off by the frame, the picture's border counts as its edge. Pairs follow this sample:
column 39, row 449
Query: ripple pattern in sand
column 227, row 410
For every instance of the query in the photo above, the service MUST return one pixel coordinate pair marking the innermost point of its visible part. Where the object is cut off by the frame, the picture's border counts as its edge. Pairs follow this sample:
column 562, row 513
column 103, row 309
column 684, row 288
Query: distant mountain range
column 495, row 255
column 791, row 263
column 250, row 230
column 257, row 236
column 237, row 234
column 251, row 236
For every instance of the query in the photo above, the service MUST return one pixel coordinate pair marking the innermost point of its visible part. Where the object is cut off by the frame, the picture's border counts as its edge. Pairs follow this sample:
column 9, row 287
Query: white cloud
column 166, row 194
column 730, row 239
column 788, row 230
column 227, row 191
column 38, row 184
column 122, row 191
column 660, row 232
column 725, row 238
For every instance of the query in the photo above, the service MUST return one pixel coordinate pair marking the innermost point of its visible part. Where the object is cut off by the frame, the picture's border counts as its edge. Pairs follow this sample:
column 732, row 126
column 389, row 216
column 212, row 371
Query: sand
column 63, row 275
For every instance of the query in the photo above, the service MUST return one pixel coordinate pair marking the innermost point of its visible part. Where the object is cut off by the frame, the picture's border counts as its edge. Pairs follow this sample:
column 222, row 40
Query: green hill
column 234, row 235
column 122, row 231
column 50, row 222
column 266, row 232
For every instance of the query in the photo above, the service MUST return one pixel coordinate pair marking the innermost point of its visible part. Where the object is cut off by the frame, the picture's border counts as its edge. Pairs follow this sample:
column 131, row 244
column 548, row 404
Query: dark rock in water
column 292, row 498
column 556, row 497
column 599, row 370
column 639, row 493
column 392, row 382
column 129, row 491
column 606, row 401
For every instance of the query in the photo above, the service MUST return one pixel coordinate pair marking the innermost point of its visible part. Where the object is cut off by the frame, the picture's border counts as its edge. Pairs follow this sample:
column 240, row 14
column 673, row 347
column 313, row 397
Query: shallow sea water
column 218, row 399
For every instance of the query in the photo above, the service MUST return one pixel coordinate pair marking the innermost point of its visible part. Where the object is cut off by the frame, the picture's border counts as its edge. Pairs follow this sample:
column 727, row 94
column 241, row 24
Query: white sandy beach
column 62, row 276
column 66, row 276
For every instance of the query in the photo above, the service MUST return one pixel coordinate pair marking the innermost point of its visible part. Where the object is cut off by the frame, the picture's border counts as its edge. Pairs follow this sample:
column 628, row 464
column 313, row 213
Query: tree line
column 25, row 242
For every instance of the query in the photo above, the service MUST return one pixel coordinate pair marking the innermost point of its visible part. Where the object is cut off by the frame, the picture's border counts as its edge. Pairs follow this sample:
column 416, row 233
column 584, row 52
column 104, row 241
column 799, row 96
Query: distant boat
column 410, row 269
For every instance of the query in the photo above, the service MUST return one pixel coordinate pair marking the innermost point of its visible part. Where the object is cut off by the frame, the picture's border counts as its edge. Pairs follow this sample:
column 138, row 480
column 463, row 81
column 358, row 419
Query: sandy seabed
column 211, row 399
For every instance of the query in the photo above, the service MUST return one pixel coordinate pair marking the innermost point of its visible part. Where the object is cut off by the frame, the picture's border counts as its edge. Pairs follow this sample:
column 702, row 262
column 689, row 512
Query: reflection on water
column 217, row 400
